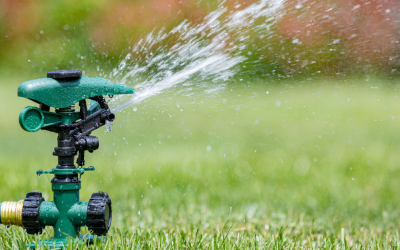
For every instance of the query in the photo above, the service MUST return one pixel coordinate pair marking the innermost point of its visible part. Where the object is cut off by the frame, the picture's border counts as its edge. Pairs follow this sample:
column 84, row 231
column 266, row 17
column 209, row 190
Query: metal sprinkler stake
column 61, row 90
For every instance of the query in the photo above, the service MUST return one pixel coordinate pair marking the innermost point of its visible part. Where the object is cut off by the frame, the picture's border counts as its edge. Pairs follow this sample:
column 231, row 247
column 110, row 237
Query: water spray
column 61, row 90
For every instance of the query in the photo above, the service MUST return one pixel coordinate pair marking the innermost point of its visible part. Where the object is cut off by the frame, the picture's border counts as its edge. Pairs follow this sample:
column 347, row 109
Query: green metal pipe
column 65, row 197
column 49, row 213
column 78, row 213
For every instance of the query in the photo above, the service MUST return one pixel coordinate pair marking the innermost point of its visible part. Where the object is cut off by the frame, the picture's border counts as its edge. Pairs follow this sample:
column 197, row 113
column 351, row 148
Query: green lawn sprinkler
column 61, row 90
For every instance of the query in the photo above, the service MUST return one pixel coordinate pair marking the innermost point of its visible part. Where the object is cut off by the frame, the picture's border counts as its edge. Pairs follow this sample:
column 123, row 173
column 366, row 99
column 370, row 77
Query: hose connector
column 11, row 213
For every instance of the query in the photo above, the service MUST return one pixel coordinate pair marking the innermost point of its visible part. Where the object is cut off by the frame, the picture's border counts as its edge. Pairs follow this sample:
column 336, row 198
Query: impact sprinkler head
column 60, row 91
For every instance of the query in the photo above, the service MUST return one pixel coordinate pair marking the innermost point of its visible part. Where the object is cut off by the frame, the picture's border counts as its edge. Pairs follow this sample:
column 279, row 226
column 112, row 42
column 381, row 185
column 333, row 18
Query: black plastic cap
column 64, row 74
column 99, row 213
column 31, row 213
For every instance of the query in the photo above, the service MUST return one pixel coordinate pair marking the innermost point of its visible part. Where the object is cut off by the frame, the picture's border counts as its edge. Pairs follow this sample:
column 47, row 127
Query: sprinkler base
column 63, row 243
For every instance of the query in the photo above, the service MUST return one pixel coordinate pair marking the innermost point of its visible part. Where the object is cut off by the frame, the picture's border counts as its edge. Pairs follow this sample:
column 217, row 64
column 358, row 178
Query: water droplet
column 109, row 125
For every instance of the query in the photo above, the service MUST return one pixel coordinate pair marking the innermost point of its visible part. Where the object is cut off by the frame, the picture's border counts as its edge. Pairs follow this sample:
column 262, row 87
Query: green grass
column 264, row 165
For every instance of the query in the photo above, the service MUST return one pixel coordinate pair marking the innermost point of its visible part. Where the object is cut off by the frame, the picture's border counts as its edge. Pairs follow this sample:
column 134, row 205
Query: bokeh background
column 309, row 37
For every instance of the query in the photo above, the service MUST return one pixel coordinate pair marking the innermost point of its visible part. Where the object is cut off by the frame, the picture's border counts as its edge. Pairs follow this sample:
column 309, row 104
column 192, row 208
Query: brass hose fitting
column 11, row 213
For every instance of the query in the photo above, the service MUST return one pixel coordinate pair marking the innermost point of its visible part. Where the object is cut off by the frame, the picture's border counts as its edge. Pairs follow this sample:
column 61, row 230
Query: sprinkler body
column 66, row 213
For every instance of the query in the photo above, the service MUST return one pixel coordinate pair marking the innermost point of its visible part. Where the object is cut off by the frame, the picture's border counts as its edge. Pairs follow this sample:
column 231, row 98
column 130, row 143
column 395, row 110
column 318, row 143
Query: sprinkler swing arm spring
column 66, row 213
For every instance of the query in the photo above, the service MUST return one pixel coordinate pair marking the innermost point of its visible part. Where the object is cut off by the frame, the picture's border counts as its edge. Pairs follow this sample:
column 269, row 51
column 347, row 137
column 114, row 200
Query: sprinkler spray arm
column 80, row 131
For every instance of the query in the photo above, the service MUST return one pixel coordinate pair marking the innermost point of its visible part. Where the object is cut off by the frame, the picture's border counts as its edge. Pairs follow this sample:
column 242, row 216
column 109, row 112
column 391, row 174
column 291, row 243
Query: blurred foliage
column 339, row 35
column 334, row 37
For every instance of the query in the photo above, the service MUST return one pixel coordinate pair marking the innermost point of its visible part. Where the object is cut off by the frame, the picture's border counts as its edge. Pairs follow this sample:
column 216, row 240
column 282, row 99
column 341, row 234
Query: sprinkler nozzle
column 61, row 90
column 11, row 213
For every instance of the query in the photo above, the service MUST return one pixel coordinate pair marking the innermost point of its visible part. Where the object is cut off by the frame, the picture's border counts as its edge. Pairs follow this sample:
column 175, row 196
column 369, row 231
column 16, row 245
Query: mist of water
column 202, row 56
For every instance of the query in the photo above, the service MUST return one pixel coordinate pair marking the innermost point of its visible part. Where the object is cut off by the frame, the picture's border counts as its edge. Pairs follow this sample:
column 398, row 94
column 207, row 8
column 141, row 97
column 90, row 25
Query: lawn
column 266, row 164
